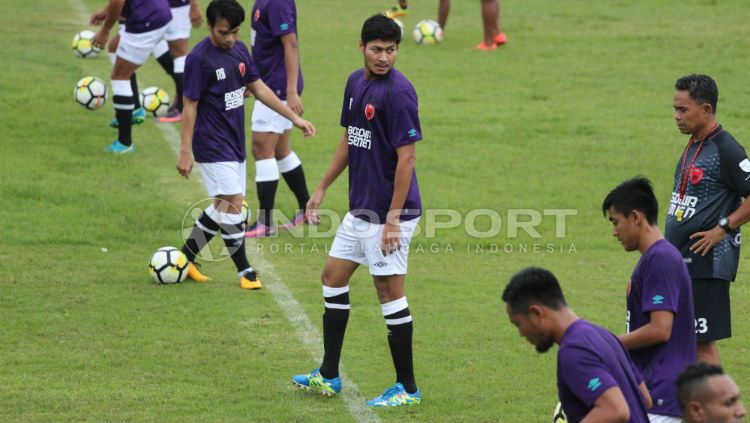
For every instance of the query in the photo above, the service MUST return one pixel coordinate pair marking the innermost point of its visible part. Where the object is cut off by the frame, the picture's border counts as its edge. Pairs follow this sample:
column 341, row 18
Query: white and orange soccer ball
column 168, row 265
column 155, row 100
column 83, row 45
column 427, row 32
column 90, row 92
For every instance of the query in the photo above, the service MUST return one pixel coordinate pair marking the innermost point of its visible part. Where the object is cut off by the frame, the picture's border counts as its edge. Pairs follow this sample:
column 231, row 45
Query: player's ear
column 694, row 411
column 362, row 47
column 707, row 109
column 535, row 311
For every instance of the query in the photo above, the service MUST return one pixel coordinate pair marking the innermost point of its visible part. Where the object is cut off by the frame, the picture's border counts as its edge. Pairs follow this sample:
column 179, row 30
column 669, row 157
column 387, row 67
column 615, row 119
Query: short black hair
column 701, row 88
column 633, row 194
column 229, row 10
column 692, row 382
column 380, row 27
column 533, row 285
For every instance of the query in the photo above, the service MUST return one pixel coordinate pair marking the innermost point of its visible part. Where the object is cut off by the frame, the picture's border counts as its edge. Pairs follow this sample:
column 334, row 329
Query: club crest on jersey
column 257, row 15
column 242, row 68
column 696, row 174
column 369, row 111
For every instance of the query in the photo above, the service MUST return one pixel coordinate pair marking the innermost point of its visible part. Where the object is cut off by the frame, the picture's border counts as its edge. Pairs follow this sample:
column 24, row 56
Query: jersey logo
column 594, row 384
column 369, row 111
column 658, row 299
column 284, row 26
column 696, row 174
column 242, row 68
column 745, row 165
column 257, row 15
column 412, row 133
column 220, row 75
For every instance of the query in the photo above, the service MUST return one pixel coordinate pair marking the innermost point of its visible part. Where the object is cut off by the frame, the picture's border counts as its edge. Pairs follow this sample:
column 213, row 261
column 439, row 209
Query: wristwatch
column 724, row 224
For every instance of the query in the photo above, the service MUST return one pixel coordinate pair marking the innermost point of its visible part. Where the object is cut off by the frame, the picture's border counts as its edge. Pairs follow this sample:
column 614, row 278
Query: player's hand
column 307, row 128
column 185, row 164
column 100, row 38
column 98, row 17
column 196, row 19
column 706, row 240
column 313, row 204
column 295, row 103
column 391, row 239
column 248, row 93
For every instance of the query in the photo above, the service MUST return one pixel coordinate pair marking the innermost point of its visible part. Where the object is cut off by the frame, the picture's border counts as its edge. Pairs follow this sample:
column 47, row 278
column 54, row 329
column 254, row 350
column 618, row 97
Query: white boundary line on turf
column 306, row 331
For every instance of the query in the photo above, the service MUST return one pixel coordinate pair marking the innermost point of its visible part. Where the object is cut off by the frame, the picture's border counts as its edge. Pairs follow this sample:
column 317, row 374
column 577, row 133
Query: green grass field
column 577, row 101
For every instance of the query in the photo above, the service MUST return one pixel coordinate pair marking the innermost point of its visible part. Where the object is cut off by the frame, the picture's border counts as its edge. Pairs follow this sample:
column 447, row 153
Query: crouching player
column 217, row 73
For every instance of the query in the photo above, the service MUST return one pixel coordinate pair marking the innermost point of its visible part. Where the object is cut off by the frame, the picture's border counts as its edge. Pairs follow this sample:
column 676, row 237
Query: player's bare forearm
column 264, row 94
column 407, row 157
column 291, row 65
column 647, row 401
column 185, row 158
column 114, row 10
column 741, row 215
column 339, row 162
column 657, row 331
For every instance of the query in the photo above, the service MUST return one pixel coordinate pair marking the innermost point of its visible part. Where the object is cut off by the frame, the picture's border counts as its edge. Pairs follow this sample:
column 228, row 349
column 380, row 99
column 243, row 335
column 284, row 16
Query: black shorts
column 713, row 317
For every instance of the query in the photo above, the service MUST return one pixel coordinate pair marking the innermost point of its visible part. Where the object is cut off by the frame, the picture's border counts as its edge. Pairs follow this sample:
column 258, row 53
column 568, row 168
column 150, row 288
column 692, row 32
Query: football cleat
column 118, row 148
column 315, row 382
column 139, row 116
column 259, row 230
column 397, row 11
column 195, row 274
column 394, row 396
column 173, row 115
column 250, row 280
column 484, row 47
column 500, row 39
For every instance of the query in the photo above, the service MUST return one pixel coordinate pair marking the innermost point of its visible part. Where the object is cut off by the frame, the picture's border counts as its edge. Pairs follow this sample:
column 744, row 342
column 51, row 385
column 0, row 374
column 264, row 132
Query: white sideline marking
column 306, row 331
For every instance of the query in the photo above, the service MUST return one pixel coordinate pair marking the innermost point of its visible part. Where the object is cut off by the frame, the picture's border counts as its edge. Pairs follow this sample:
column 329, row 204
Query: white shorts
column 656, row 418
column 266, row 120
column 179, row 27
column 224, row 178
column 136, row 48
column 358, row 240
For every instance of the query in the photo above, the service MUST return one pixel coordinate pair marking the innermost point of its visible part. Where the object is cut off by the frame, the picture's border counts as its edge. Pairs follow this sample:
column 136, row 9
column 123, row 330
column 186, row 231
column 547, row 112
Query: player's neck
column 649, row 237
column 704, row 132
column 565, row 318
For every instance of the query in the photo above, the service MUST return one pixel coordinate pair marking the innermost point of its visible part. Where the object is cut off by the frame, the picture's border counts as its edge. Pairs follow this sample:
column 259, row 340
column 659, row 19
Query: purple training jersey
column 270, row 20
column 216, row 79
column 145, row 15
column 661, row 282
column 380, row 116
column 591, row 360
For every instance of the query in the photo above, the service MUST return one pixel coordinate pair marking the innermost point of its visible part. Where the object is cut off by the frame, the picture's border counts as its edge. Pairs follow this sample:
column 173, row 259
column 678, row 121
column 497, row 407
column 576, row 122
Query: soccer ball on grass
column 168, row 265
column 427, row 32
column 90, row 92
column 155, row 100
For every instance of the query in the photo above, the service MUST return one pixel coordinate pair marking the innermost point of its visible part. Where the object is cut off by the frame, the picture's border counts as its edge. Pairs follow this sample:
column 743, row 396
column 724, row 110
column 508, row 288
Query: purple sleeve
column 251, row 73
column 403, row 118
column 282, row 17
column 584, row 374
column 195, row 80
column 661, row 292
column 346, row 105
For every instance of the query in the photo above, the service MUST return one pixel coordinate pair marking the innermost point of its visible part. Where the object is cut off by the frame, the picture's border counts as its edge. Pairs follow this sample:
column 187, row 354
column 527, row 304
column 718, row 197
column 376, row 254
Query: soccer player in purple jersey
column 596, row 380
column 381, row 124
column 218, row 71
column 273, row 38
column 708, row 395
column 707, row 209
column 146, row 23
column 660, row 328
